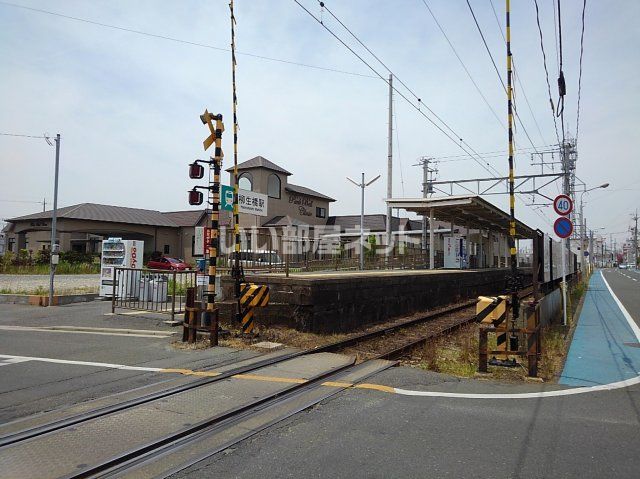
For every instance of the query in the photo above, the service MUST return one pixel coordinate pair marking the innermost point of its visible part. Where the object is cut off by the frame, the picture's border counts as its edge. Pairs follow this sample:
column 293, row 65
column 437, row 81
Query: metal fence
column 272, row 252
column 154, row 290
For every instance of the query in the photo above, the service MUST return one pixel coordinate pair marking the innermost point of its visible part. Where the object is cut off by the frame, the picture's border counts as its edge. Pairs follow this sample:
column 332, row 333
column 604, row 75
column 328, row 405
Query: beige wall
column 298, row 206
column 36, row 234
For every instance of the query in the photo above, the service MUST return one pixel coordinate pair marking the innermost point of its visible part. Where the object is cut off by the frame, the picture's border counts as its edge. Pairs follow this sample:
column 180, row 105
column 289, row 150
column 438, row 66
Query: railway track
column 154, row 442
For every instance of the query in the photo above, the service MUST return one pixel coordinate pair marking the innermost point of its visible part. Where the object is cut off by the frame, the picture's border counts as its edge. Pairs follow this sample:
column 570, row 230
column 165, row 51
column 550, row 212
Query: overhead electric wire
column 560, row 105
column 323, row 5
column 404, row 97
column 515, row 73
column 486, row 46
column 455, row 52
column 546, row 70
column 584, row 7
column 186, row 42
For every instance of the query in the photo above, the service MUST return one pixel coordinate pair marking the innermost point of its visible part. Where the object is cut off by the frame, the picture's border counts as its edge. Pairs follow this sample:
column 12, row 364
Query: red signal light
column 196, row 171
column 195, row 197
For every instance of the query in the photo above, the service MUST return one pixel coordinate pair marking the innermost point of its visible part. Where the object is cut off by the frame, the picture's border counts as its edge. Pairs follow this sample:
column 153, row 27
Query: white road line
column 544, row 394
column 79, row 363
column 53, row 329
column 632, row 324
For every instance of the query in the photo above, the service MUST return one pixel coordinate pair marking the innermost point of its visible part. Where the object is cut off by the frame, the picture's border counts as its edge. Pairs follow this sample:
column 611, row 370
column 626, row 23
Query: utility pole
column 427, row 189
column 390, row 167
column 635, row 240
column 53, row 256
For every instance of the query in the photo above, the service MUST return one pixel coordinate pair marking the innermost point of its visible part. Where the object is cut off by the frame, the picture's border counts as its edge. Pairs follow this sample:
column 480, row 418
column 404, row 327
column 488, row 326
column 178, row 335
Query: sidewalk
column 604, row 347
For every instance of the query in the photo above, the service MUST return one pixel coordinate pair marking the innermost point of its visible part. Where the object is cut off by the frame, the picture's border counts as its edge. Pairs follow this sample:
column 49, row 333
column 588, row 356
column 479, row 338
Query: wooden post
column 482, row 351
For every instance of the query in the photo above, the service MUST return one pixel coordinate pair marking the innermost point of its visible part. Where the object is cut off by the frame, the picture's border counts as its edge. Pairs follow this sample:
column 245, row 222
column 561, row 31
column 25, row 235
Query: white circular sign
column 563, row 205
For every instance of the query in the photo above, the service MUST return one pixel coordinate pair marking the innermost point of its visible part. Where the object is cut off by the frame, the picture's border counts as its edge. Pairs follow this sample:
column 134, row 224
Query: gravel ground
column 85, row 283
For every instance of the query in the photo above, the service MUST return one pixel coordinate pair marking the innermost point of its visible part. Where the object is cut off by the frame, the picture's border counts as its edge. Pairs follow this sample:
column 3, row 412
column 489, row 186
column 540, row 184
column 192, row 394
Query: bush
column 6, row 260
column 43, row 257
column 76, row 257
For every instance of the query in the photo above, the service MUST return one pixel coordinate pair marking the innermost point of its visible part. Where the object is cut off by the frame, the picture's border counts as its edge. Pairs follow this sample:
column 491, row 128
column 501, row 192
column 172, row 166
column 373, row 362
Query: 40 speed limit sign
column 563, row 205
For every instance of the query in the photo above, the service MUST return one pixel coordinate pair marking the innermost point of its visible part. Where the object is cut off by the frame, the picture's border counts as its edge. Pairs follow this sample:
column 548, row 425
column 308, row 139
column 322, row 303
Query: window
column 273, row 186
column 11, row 245
column 245, row 181
column 167, row 249
column 321, row 212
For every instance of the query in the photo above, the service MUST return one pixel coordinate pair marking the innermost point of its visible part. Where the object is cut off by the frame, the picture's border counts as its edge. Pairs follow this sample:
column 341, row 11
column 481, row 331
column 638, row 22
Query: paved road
column 372, row 434
column 451, row 430
column 29, row 387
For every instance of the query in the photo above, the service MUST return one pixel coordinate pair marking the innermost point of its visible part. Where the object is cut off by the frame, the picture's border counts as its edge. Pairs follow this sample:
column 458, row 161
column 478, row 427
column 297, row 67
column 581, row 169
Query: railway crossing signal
column 207, row 119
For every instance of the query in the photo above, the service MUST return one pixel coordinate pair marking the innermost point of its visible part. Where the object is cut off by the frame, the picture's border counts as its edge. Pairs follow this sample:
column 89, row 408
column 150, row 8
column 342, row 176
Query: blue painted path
column 597, row 354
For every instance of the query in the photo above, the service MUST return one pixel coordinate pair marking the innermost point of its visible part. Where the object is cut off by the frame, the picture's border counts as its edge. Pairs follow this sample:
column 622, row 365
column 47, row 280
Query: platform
column 341, row 301
column 605, row 346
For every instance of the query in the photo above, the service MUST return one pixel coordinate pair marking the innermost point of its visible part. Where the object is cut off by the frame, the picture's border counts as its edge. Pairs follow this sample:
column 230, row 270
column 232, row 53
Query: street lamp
column 582, row 222
column 362, row 186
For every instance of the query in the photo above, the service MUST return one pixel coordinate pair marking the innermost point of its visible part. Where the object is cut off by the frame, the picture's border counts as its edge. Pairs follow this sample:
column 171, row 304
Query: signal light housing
column 195, row 197
column 196, row 171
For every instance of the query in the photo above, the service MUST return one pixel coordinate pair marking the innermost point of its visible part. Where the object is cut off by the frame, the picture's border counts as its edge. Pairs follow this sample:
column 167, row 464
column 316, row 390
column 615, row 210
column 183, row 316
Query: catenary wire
column 584, row 7
column 323, row 5
column 546, row 70
column 416, row 107
column 486, row 46
column 186, row 42
column 515, row 73
column 455, row 52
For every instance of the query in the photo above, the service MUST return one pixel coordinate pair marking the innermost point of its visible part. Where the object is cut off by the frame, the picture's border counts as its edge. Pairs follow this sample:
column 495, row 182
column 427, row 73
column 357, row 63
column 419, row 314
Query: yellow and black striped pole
column 237, row 272
column 515, row 300
column 215, row 166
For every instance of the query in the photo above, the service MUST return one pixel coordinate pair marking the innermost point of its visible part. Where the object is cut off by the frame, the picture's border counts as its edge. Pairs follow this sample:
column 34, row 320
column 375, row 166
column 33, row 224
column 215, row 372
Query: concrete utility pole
column 390, row 165
column 635, row 240
column 427, row 189
column 53, row 250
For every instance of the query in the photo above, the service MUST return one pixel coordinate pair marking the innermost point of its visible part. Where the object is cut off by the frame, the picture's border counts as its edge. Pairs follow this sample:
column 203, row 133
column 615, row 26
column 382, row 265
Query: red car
column 168, row 263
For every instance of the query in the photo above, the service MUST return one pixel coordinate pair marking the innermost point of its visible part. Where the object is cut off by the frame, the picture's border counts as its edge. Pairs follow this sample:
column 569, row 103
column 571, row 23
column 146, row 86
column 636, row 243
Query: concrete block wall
column 343, row 304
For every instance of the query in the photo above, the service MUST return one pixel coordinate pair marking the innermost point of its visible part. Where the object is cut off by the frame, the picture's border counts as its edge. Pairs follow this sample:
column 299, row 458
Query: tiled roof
column 307, row 191
column 260, row 162
column 186, row 217
column 96, row 212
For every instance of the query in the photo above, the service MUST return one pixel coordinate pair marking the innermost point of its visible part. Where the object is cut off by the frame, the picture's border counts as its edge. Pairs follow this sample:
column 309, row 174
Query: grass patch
column 42, row 291
column 62, row 268
column 455, row 354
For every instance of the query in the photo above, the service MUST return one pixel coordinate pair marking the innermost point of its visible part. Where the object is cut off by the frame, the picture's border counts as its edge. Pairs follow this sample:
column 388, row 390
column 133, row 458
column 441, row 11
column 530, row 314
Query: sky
column 127, row 105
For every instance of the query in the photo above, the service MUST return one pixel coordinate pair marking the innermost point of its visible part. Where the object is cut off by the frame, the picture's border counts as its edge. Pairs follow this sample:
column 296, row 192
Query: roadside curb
column 38, row 300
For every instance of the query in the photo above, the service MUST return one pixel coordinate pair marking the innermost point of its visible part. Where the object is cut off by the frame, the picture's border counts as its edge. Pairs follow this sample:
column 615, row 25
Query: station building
column 82, row 227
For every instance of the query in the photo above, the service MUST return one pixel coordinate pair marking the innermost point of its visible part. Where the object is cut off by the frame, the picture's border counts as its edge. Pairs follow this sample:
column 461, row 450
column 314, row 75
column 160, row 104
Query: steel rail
column 301, row 389
column 198, row 427
column 102, row 411
column 332, row 347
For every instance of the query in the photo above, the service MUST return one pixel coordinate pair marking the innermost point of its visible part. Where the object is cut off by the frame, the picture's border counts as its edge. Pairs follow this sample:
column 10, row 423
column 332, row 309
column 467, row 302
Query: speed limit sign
column 563, row 205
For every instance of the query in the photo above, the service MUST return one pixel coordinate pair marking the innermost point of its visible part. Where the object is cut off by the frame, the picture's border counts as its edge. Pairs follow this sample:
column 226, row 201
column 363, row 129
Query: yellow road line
column 274, row 379
column 278, row 379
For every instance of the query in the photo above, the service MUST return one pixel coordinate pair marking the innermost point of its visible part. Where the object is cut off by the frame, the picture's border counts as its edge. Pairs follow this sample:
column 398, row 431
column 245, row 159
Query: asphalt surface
column 366, row 434
column 33, row 386
column 358, row 432
column 372, row 434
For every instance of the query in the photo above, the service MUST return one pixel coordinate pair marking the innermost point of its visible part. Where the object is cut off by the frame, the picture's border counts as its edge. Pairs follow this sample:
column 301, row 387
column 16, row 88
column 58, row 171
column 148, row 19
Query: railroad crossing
column 250, row 397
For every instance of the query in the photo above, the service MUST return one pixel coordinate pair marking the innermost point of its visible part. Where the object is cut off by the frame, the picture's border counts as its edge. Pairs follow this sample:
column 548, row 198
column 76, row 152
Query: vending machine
column 117, row 252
